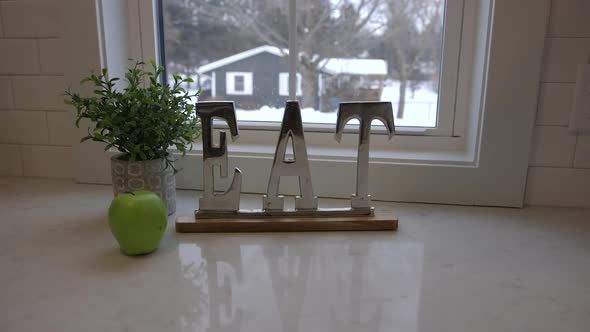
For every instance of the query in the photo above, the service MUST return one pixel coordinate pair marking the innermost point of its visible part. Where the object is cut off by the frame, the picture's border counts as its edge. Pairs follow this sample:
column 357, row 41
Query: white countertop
column 447, row 268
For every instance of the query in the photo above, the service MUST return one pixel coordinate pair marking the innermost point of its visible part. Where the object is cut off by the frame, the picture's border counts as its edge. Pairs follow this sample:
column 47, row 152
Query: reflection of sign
column 301, row 284
column 273, row 216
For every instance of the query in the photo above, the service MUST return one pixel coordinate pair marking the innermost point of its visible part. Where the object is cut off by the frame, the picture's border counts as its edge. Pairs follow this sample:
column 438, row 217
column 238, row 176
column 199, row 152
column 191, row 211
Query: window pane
column 207, row 39
column 239, row 83
column 349, row 50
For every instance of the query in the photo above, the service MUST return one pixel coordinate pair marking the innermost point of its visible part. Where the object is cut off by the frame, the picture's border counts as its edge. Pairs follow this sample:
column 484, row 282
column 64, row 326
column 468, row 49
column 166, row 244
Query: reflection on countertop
column 302, row 283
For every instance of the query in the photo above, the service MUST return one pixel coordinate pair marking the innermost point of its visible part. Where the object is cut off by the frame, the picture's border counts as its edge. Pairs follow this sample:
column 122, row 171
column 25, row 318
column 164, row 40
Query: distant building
column 259, row 76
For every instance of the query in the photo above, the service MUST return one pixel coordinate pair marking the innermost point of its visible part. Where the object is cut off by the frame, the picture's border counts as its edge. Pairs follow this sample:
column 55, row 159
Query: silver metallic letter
column 292, row 127
column 217, row 156
column 365, row 112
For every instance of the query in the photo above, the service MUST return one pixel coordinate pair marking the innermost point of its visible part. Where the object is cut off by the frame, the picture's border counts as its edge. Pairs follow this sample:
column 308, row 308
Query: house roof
column 353, row 66
column 240, row 56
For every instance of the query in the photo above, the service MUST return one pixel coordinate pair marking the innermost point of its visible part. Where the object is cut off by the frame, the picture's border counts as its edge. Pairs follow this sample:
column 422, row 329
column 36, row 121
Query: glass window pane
column 207, row 39
column 348, row 50
column 239, row 83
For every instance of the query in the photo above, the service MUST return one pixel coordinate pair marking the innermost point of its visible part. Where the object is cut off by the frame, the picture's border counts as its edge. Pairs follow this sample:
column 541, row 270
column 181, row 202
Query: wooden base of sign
column 382, row 220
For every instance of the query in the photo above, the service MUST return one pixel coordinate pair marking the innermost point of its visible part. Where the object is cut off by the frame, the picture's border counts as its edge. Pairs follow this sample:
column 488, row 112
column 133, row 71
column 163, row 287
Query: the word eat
column 213, row 203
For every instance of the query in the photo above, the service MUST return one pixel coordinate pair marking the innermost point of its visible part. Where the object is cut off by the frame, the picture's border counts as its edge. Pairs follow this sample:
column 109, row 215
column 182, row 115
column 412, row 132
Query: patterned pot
column 149, row 175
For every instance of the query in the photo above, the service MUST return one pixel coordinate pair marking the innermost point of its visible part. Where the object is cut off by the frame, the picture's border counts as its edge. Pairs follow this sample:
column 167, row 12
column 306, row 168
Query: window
column 499, row 44
column 389, row 50
column 284, row 84
column 238, row 83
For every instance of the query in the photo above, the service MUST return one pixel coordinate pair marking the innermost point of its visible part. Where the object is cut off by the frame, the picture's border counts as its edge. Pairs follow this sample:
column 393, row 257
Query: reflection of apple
column 138, row 221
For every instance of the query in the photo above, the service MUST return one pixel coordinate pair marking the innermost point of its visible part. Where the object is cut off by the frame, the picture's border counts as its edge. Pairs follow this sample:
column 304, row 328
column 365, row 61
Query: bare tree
column 413, row 38
column 326, row 28
column 193, row 38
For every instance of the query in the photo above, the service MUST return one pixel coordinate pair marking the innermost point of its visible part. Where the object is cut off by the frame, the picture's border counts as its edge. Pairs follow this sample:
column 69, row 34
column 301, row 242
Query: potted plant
column 142, row 120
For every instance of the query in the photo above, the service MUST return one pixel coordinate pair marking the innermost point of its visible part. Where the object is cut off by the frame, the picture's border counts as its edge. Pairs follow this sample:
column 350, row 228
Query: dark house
column 259, row 76
column 251, row 78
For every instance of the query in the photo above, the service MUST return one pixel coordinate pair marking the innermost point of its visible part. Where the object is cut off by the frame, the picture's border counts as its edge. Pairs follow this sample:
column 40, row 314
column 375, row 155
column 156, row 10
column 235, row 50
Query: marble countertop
column 447, row 268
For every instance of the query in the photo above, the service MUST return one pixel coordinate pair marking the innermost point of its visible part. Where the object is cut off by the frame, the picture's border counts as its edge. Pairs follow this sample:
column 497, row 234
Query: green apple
column 138, row 221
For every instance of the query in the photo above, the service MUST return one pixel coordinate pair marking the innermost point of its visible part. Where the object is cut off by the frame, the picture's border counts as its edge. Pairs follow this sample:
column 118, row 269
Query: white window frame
column 450, row 119
column 486, row 165
column 449, row 134
column 230, row 83
column 284, row 84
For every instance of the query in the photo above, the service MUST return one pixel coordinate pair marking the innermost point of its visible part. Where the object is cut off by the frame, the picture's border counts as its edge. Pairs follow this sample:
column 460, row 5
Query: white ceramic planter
column 152, row 175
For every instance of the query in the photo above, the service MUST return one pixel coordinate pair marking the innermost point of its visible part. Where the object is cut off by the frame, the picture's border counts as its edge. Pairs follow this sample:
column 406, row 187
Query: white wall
column 35, row 128
column 559, row 172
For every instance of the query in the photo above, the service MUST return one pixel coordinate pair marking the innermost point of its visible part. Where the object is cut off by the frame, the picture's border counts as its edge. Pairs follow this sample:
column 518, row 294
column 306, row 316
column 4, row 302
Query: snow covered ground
column 420, row 110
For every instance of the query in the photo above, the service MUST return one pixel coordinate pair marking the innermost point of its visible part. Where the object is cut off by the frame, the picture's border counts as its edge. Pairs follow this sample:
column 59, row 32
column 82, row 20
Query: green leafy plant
column 143, row 119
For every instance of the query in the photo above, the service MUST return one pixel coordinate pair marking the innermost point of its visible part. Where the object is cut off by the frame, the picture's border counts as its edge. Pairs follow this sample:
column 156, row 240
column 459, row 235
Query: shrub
column 143, row 119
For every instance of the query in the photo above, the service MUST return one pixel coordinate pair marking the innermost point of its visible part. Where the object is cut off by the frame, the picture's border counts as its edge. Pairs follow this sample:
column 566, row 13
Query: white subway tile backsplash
column 19, row 56
column 39, row 92
column 558, row 187
column 582, row 159
column 47, row 161
column 12, row 163
column 6, row 93
column 8, row 131
column 553, row 146
column 61, row 128
column 51, row 52
column 25, row 127
column 562, row 56
column 31, row 18
column 555, row 103
column 569, row 18
column 560, row 160
column 25, row 96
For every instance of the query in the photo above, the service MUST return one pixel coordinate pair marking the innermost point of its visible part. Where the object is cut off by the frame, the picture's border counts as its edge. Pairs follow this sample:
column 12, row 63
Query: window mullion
column 293, row 54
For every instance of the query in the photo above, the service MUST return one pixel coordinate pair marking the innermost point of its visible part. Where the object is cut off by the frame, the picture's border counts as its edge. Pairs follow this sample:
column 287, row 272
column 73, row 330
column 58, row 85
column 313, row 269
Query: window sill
column 447, row 155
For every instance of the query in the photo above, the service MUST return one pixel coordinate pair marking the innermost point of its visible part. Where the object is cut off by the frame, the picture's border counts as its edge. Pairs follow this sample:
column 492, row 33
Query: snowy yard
column 420, row 111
